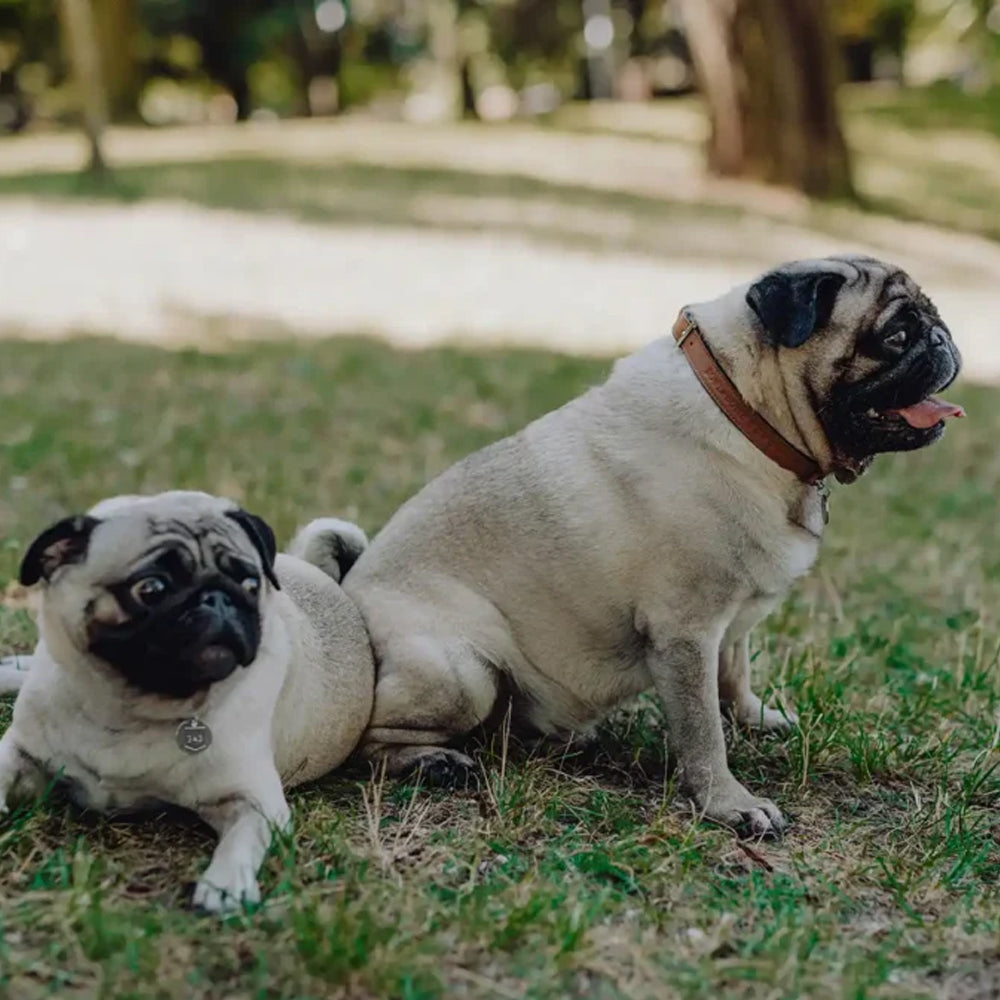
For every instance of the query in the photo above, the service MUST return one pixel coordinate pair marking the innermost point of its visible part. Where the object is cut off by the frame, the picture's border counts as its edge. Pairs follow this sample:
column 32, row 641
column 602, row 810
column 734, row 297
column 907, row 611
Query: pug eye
column 896, row 340
column 251, row 584
column 150, row 590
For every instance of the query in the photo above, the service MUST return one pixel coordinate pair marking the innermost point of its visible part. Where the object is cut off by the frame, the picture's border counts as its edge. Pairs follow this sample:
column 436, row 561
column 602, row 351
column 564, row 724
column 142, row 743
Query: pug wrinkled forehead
column 868, row 346
column 165, row 590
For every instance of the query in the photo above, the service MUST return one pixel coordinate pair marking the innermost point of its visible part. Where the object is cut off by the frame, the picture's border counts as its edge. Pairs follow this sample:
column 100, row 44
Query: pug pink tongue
column 928, row 412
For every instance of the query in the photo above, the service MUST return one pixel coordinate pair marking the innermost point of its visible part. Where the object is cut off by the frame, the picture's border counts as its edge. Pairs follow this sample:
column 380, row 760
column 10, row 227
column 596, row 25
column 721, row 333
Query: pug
column 181, row 661
column 632, row 538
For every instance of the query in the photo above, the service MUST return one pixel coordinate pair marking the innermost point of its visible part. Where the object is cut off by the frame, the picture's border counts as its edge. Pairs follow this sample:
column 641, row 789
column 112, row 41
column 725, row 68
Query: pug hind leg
column 436, row 767
column 430, row 693
column 736, row 698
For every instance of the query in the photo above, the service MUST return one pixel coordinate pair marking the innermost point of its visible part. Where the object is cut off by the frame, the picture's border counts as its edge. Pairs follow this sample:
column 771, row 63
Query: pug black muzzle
column 895, row 409
column 185, row 644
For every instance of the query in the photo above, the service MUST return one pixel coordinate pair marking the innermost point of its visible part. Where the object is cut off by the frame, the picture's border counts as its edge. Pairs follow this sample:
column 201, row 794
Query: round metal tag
column 194, row 736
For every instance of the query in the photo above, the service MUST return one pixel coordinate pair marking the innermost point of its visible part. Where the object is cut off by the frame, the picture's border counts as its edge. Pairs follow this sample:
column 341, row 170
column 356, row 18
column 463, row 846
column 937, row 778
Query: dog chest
column 107, row 769
column 791, row 556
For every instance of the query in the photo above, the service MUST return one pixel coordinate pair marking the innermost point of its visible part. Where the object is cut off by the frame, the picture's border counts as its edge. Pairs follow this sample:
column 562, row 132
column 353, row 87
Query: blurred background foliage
column 218, row 61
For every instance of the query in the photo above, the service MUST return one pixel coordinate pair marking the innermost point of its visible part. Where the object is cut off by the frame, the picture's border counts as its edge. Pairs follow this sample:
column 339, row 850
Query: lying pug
column 633, row 537
column 182, row 661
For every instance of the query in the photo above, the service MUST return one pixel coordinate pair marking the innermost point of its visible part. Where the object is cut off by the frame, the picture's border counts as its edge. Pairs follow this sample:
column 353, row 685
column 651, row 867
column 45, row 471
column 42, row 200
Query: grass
column 940, row 106
column 569, row 874
column 433, row 198
column 931, row 155
column 928, row 154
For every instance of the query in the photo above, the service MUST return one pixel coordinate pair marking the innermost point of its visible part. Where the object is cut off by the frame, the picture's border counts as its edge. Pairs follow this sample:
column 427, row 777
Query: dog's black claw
column 750, row 828
column 747, row 831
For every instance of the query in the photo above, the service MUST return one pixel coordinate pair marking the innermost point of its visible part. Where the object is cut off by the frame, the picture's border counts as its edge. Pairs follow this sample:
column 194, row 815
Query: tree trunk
column 116, row 26
column 85, row 60
column 768, row 72
column 301, row 52
column 600, row 56
column 443, row 43
column 708, row 24
column 225, row 56
column 468, row 90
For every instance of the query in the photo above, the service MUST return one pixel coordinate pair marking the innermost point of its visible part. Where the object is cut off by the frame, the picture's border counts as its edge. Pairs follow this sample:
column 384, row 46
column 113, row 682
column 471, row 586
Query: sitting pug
column 181, row 661
column 633, row 537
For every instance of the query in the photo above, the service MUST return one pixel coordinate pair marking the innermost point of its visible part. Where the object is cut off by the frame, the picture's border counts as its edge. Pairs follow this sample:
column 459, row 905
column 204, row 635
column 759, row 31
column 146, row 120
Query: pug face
column 871, row 353
column 166, row 591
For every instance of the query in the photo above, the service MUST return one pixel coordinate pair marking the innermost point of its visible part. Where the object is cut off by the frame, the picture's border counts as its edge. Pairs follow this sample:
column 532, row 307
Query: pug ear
column 62, row 543
column 260, row 533
column 792, row 307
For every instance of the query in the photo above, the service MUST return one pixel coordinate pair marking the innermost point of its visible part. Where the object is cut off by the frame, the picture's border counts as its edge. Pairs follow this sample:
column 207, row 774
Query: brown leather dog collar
column 741, row 415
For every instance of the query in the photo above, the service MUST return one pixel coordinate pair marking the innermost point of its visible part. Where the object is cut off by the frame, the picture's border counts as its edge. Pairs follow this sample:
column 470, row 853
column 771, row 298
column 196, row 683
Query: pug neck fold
column 740, row 414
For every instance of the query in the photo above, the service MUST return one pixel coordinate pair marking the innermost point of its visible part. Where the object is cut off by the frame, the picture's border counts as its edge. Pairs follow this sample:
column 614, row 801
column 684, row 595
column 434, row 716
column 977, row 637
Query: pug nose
column 216, row 600
column 937, row 336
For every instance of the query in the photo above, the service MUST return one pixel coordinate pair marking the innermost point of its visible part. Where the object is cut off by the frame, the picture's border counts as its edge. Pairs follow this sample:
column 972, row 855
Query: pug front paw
column 225, row 892
column 748, row 815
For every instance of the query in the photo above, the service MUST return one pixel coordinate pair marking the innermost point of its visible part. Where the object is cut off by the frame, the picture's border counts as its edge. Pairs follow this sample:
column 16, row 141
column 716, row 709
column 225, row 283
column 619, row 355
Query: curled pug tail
column 330, row 544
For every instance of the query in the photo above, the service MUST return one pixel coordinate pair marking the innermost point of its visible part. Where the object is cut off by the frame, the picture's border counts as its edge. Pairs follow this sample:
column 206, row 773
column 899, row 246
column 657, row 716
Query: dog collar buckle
column 687, row 331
